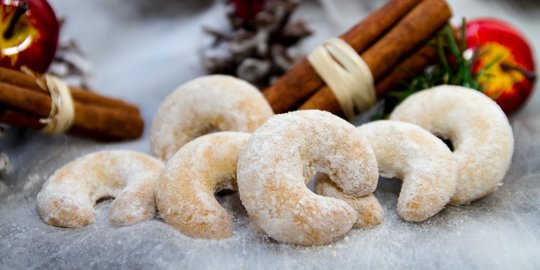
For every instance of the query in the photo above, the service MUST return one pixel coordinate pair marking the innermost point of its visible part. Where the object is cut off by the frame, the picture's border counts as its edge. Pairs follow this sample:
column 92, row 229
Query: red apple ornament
column 28, row 34
column 510, row 74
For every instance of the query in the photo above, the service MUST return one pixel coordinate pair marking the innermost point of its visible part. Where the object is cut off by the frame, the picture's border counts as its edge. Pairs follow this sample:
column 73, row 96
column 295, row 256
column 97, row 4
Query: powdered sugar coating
column 280, row 158
column 478, row 128
column 185, row 193
column 68, row 197
column 215, row 102
column 422, row 161
column 370, row 211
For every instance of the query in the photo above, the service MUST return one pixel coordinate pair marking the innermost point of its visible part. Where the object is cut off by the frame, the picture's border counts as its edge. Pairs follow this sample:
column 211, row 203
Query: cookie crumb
column 5, row 164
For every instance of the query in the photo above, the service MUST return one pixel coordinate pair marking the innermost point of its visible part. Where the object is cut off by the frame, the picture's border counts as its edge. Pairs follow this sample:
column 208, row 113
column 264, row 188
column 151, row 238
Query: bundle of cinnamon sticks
column 396, row 35
column 23, row 103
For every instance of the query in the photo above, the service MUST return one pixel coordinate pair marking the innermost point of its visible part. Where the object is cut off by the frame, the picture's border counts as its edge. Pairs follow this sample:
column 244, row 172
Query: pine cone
column 256, row 49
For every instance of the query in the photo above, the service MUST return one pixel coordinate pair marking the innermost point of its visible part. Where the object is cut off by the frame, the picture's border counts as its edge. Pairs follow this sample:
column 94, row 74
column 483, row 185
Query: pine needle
column 453, row 68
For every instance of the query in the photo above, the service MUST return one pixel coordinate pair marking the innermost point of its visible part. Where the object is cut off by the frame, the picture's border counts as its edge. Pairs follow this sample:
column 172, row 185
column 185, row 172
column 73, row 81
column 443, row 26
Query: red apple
column 28, row 34
column 510, row 78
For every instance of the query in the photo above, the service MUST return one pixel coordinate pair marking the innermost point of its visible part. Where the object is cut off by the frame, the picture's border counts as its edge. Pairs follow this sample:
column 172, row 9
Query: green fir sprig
column 455, row 67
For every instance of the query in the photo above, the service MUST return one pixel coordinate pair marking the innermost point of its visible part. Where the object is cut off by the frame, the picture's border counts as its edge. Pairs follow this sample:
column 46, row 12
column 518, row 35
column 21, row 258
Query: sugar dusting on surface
column 287, row 150
column 33, row 180
column 497, row 232
column 4, row 189
column 478, row 128
column 215, row 102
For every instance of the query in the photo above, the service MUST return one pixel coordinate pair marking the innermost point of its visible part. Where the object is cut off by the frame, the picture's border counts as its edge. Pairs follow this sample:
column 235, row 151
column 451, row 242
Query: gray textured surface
column 141, row 52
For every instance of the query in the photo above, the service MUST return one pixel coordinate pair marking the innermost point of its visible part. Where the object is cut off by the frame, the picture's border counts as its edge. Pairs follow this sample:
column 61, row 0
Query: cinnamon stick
column 412, row 30
column 302, row 80
column 90, row 120
column 25, row 120
column 15, row 118
column 17, row 78
column 415, row 64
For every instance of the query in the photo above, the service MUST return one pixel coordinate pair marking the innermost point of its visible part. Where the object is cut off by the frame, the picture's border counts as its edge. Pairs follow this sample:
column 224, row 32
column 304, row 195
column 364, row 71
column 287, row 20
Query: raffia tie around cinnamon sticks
column 24, row 103
column 394, row 35
column 62, row 112
column 346, row 74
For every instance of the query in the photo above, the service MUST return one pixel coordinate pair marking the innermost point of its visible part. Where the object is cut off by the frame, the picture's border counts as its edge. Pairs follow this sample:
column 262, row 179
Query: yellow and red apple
column 28, row 34
column 507, row 58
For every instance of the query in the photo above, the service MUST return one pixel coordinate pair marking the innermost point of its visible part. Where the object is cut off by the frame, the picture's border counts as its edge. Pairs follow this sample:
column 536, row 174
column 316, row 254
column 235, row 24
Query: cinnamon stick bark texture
column 415, row 64
column 24, row 120
column 415, row 28
column 19, row 119
column 84, row 96
column 90, row 120
column 302, row 80
column 423, row 58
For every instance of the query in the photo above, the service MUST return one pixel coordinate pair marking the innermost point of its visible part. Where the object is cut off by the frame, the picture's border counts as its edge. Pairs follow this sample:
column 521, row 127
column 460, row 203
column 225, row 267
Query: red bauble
column 247, row 9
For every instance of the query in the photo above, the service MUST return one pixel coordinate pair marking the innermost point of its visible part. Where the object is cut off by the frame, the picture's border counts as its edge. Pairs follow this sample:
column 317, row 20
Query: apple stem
column 530, row 75
column 21, row 9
